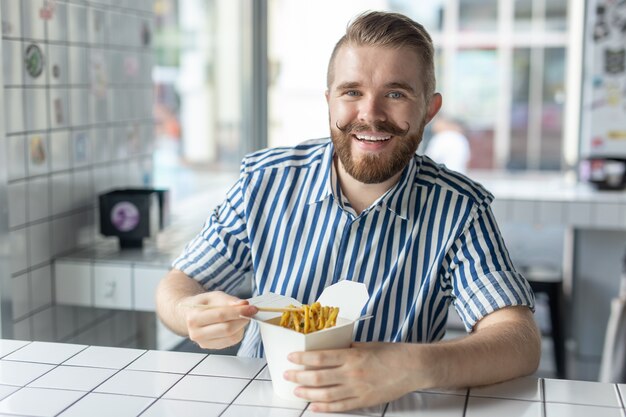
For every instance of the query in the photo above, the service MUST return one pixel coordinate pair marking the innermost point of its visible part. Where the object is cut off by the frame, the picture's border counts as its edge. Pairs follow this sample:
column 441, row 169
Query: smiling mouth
column 372, row 138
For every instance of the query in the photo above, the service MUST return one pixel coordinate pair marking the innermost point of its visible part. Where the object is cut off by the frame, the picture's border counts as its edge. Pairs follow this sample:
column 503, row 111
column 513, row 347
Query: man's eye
column 352, row 93
column 395, row 94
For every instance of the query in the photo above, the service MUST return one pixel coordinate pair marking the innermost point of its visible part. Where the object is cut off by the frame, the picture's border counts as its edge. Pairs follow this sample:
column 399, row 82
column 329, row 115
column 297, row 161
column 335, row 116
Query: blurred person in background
column 449, row 145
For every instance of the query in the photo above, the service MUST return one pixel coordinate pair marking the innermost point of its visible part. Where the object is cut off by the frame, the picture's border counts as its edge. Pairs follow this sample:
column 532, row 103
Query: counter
column 68, row 380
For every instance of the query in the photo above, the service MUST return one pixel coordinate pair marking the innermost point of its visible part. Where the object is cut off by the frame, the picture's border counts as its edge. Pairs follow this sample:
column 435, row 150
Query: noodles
column 311, row 319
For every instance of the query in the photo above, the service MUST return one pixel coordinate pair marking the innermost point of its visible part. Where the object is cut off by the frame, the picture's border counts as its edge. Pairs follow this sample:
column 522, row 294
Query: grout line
column 467, row 395
column 542, row 396
column 620, row 399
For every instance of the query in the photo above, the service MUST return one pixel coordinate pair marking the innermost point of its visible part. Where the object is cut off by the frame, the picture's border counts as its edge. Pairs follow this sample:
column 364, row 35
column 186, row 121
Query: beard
column 374, row 168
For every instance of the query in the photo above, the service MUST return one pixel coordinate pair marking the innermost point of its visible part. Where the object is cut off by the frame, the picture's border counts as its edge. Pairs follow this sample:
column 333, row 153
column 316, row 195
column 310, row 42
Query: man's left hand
column 367, row 374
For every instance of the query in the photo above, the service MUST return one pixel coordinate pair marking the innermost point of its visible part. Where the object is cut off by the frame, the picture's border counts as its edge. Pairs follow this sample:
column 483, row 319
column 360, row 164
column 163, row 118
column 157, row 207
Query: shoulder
column 303, row 155
column 437, row 176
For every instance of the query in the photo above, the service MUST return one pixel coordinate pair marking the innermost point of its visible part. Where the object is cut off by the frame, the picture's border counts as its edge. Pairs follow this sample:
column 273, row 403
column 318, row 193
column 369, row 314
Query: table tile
column 73, row 378
column 375, row 411
column 148, row 384
column 105, row 357
column 264, row 374
column 168, row 408
column 526, row 388
column 492, row 407
column 38, row 401
column 21, row 373
column 580, row 392
column 448, row 391
column 261, row 393
column 6, row 390
column 45, row 352
column 574, row 410
column 251, row 411
column 107, row 405
column 8, row 346
column 206, row 388
column 162, row 361
column 426, row 405
column 232, row 366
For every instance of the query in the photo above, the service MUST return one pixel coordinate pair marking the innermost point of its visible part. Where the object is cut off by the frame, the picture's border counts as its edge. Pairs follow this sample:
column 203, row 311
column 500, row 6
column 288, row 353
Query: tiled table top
column 50, row 379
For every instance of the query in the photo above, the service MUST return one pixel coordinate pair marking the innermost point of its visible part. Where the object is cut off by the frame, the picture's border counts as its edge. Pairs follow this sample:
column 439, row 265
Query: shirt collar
column 396, row 199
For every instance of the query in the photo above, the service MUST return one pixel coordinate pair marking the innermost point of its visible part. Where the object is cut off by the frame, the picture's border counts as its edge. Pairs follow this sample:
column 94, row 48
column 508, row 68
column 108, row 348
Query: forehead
column 372, row 65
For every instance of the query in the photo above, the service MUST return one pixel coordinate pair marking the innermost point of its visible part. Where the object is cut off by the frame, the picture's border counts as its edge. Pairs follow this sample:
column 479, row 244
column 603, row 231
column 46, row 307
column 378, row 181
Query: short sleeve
column 219, row 256
column 482, row 275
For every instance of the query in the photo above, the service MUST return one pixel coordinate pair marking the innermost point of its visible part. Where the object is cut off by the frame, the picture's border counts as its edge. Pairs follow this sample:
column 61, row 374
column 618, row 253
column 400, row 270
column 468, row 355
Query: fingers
column 319, row 358
column 325, row 394
column 317, row 378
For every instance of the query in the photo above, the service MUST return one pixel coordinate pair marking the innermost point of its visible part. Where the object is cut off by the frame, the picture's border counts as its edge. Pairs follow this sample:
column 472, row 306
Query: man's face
column 377, row 110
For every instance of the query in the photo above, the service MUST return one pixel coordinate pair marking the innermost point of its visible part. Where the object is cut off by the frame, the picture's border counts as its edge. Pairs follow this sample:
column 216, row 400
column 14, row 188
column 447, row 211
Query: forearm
column 493, row 353
column 172, row 289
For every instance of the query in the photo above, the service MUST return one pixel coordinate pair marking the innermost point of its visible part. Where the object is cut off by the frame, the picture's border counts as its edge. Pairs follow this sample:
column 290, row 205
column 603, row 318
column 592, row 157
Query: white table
column 56, row 379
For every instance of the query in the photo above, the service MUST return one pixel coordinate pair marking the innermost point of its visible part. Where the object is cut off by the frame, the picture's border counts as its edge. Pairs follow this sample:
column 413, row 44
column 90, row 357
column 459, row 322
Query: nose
column 372, row 110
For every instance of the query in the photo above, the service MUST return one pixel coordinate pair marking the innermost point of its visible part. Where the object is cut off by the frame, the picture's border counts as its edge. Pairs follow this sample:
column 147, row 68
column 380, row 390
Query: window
column 501, row 66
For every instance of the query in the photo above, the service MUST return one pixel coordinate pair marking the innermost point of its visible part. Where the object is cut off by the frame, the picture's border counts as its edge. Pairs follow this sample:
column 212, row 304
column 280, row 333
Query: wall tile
column 20, row 295
column 78, row 69
column 17, row 203
column 16, row 157
column 145, row 282
column 73, row 283
column 98, row 27
column 39, row 239
column 57, row 25
column 19, row 250
column 82, row 188
column 44, row 326
column 22, row 329
column 62, row 195
column 79, row 106
column 11, row 18
column 32, row 25
column 101, row 145
column 60, row 158
column 57, row 65
column 12, row 59
column 77, row 23
column 101, row 179
column 65, row 319
column 112, row 286
column 36, row 111
column 81, row 149
column 38, row 198
column 63, row 235
column 41, row 287
column 14, row 110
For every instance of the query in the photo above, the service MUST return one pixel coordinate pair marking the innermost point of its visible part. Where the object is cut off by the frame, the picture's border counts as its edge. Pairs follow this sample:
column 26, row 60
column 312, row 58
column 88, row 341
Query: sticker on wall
column 133, row 138
column 7, row 28
column 37, row 150
column 99, row 84
column 56, row 71
column 33, row 59
column 58, row 111
column 80, row 148
column 600, row 29
column 47, row 11
column 125, row 216
column 145, row 34
column 614, row 61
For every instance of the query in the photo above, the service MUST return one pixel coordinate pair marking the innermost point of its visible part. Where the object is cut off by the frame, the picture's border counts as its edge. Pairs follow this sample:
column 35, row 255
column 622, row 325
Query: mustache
column 384, row 126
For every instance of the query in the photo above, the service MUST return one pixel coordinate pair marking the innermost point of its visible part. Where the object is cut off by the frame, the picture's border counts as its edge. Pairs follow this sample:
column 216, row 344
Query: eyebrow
column 396, row 84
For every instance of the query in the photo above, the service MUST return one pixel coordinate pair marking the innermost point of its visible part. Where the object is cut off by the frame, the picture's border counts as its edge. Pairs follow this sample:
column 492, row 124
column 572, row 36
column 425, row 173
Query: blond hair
column 390, row 30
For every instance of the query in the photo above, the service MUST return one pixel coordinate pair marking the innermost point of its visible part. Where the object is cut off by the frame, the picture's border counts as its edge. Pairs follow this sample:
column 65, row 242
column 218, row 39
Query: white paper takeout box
column 279, row 341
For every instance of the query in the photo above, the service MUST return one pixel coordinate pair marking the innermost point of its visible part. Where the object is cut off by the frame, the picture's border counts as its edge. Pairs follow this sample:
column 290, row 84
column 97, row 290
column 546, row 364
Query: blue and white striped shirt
column 430, row 240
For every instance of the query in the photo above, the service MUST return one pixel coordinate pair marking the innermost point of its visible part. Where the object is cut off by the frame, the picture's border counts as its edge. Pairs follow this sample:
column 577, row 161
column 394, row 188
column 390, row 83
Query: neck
column 359, row 194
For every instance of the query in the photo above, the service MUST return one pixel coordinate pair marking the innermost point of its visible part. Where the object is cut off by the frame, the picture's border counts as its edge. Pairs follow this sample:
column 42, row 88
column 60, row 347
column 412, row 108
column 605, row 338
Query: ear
column 327, row 95
column 434, row 105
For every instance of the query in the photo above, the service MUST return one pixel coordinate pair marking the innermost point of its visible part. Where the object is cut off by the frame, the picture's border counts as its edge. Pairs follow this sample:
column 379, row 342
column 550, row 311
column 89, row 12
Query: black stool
column 550, row 283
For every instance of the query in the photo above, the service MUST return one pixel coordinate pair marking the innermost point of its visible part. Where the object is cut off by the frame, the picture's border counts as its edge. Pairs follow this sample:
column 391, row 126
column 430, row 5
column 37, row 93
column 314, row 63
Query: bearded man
column 364, row 206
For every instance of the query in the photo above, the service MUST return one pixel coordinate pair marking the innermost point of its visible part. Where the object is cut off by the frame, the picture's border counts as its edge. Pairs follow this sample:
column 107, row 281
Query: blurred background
column 171, row 94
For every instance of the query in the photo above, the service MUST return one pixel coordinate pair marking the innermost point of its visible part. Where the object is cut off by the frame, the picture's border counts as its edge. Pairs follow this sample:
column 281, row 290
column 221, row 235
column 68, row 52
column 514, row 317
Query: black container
column 605, row 173
column 133, row 214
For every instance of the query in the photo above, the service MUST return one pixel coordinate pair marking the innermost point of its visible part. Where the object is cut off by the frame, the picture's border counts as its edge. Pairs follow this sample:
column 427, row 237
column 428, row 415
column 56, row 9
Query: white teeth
column 373, row 138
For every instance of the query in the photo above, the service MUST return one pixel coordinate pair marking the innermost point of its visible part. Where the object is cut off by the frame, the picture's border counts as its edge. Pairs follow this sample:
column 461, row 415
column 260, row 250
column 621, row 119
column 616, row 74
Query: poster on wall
column 604, row 105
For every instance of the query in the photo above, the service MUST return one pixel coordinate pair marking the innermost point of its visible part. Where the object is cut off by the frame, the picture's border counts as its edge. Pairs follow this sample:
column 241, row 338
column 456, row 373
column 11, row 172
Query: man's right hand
column 220, row 324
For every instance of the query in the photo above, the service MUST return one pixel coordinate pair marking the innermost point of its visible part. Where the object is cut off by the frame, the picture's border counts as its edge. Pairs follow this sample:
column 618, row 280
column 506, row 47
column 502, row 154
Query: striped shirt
column 428, row 241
